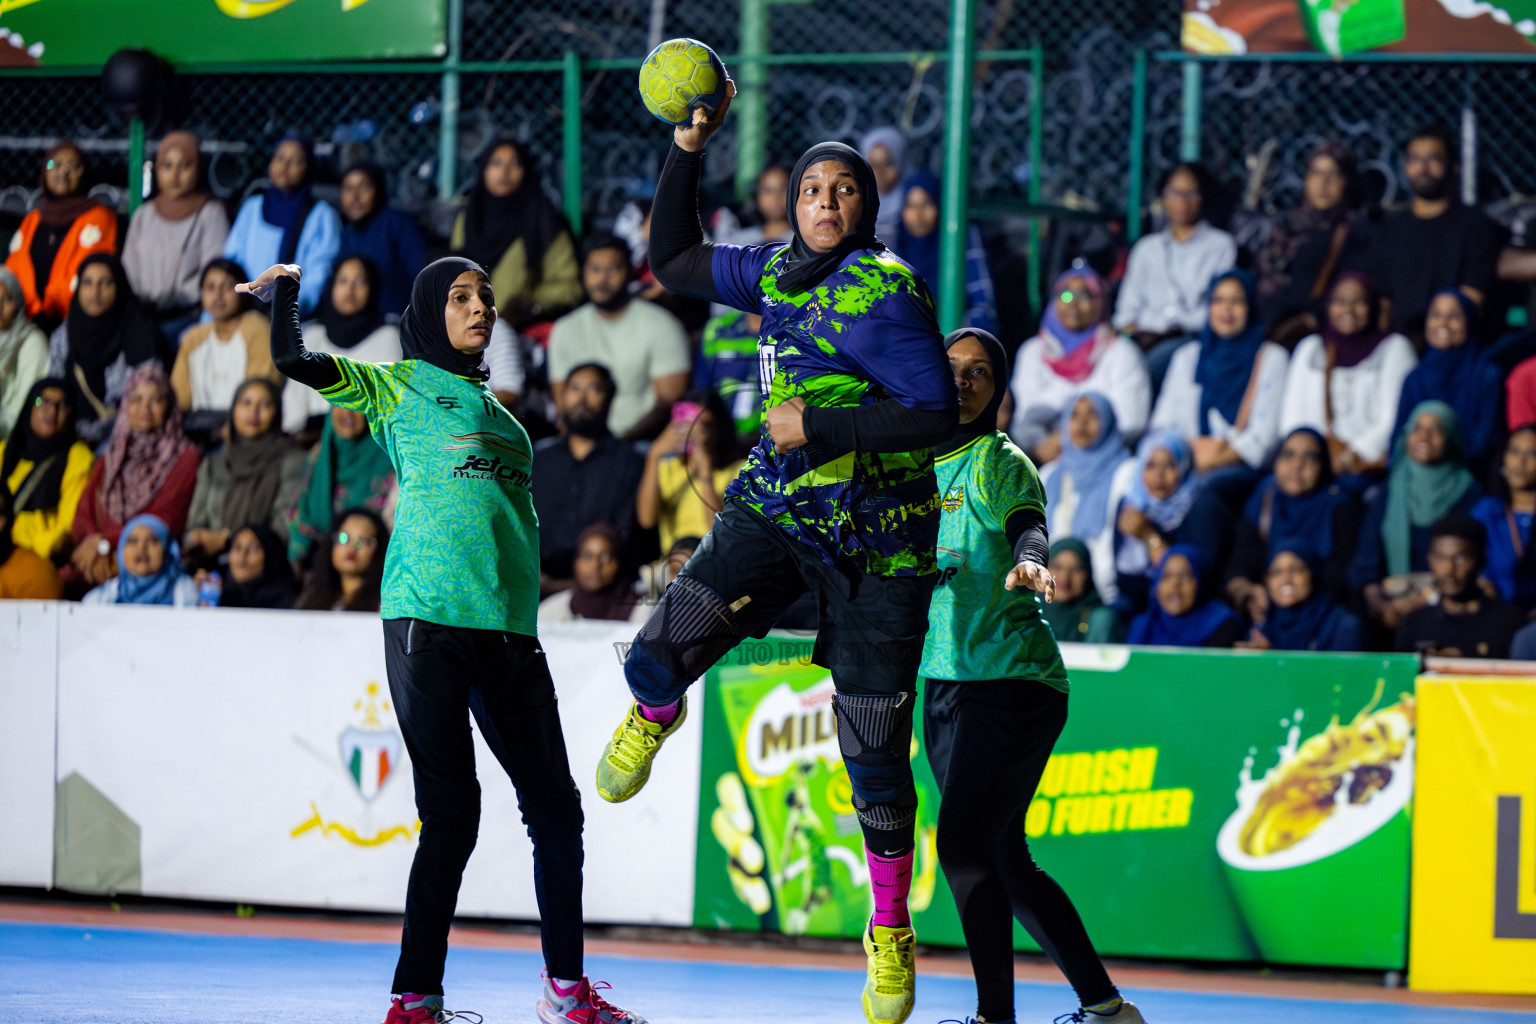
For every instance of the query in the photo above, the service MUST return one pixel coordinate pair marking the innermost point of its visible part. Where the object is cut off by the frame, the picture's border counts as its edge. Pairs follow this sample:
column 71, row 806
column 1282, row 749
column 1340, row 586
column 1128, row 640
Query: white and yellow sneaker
column 626, row 762
column 889, row 990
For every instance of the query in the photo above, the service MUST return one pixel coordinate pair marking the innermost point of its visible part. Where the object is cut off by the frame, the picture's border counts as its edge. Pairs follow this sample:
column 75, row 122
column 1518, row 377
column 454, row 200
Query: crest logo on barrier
column 370, row 751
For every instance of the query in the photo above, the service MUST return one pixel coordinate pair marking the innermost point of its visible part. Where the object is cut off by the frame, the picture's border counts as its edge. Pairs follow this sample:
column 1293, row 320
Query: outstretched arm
column 280, row 286
column 1026, row 531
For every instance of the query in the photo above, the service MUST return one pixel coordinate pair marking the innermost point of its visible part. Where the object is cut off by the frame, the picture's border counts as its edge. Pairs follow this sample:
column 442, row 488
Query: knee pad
column 689, row 630
column 874, row 732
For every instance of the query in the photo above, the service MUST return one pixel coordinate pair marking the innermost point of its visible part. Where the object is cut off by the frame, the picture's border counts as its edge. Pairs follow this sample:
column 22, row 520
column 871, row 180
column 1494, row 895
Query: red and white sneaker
column 411, row 1008
column 580, row 1005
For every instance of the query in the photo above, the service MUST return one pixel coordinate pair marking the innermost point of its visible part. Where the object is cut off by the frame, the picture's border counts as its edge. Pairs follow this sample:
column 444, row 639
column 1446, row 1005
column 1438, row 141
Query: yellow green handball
column 679, row 75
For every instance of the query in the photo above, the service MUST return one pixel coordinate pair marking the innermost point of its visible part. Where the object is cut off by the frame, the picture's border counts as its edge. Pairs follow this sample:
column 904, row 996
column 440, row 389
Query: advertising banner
column 255, row 757
column 1345, row 27
column 86, row 32
column 1230, row 806
column 28, row 647
column 1474, row 837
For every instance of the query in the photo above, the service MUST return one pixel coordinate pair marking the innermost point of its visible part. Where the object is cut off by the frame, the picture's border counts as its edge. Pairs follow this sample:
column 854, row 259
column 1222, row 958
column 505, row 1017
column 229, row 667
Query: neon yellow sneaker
column 889, row 989
column 626, row 762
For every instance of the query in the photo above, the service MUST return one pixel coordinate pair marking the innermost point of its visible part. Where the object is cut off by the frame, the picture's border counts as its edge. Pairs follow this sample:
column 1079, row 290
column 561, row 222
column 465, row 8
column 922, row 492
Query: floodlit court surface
column 68, row 962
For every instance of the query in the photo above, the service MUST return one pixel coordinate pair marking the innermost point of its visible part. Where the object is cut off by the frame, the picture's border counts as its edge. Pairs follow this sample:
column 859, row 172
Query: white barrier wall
column 256, row 758
column 28, row 653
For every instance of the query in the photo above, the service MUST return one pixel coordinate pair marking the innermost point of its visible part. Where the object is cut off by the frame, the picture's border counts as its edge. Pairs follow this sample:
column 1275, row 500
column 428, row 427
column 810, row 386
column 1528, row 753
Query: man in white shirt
column 641, row 344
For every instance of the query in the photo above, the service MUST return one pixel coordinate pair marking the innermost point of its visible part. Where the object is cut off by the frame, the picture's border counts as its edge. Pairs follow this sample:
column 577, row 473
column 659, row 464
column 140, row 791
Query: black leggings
column 438, row 675
column 988, row 742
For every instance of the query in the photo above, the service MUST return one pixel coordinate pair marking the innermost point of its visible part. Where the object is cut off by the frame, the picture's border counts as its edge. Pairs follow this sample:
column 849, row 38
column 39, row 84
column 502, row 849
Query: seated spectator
column 24, row 575
column 255, row 478
column 1429, row 481
column 104, row 340
column 1457, row 371
column 1075, row 351
column 506, row 358
column 769, row 217
column 1436, row 242
column 150, row 468
column 373, row 228
column 603, row 590
column 45, row 467
column 1520, row 395
column 49, row 247
column 1299, row 615
column 641, row 344
column 258, row 575
column 1181, row 615
column 1306, row 246
column 1222, row 393
column 917, row 242
column 232, row 347
column 510, row 228
column 1167, row 282
column 1344, row 382
column 148, row 568
column 886, row 150
column 1152, row 512
column 349, row 324
column 1506, row 513
column 1299, row 505
column 688, row 469
column 285, row 223
column 23, row 352
column 727, row 365
column 584, row 476
column 1084, row 487
column 346, row 470
column 174, row 236
column 1077, row 615
column 1464, row 622
column 348, row 573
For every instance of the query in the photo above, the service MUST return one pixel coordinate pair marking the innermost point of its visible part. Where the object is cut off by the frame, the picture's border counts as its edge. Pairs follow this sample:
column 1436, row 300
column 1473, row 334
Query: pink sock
column 890, row 878
column 564, row 988
column 663, row 716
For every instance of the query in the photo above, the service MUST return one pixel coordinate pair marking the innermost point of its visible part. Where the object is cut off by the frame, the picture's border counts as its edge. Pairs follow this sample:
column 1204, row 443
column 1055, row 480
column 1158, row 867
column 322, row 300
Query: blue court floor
column 68, row 973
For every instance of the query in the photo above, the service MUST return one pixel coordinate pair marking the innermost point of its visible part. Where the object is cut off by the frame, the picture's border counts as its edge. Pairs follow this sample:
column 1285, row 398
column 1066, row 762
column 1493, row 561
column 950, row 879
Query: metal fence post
column 448, row 115
column 1189, row 128
column 135, row 163
column 1036, row 160
column 752, row 117
column 1136, row 144
column 957, row 164
column 570, row 151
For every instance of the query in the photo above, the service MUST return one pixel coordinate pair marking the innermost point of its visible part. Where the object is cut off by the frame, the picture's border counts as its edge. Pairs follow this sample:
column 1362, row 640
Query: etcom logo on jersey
column 496, row 465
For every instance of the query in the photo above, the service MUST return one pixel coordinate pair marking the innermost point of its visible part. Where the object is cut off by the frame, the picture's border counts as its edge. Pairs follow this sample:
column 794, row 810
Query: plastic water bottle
column 209, row 590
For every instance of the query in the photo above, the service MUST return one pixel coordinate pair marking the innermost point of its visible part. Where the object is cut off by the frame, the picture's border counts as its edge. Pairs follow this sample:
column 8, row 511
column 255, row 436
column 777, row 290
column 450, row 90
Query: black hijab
column 347, row 332
column 95, row 342
column 40, row 489
column 275, row 587
column 986, row 423
column 423, row 330
column 804, row 269
column 493, row 223
column 375, row 175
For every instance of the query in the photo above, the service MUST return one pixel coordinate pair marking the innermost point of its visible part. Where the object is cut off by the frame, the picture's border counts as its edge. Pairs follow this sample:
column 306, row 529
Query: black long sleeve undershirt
column 1026, row 531
column 680, row 258
column 289, row 355
column 886, row 426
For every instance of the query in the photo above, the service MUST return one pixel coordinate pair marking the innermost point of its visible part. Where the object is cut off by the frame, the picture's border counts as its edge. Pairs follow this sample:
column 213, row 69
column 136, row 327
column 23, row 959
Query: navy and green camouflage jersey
column 728, row 366
column 866, row 333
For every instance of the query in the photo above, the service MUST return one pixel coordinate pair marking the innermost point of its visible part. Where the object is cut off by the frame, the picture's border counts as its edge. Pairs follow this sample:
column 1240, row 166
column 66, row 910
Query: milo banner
column 1344, row 27
column 1232, row 806
column 84, row 33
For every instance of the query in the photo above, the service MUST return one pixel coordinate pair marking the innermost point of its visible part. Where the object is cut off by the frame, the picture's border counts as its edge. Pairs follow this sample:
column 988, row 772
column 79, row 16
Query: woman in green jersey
column 997, row 697
column 460, row 599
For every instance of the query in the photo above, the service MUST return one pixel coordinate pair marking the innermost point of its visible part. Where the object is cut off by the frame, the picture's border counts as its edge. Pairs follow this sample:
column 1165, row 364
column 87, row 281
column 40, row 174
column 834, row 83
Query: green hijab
column 344, row 474
column 1066, row 618
column 1420, row 495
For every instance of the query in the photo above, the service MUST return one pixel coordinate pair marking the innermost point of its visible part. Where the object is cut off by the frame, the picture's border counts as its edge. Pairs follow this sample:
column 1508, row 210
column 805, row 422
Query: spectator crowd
column 1309, row 429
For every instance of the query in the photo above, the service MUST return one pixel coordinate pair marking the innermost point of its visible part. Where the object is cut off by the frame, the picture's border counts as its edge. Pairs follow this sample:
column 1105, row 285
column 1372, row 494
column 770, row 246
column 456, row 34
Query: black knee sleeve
column 689, row 630
column 875, row 735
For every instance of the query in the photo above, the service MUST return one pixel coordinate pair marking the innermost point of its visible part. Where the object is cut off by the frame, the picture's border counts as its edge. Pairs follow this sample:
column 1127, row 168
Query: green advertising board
column 84, row 33
column 1223, row 806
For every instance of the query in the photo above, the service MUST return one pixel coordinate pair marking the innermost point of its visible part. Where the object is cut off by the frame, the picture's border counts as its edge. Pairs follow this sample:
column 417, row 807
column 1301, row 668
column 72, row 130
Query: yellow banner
column 1474, row 837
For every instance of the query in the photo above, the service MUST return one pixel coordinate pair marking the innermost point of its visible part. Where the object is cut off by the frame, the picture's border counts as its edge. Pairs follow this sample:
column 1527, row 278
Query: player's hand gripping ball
column 678, row 76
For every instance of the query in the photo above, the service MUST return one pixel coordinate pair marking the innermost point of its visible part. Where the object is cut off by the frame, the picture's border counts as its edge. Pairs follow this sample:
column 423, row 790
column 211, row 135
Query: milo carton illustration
column 1313, row 851
column 1340, row 27
column 784, row 822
